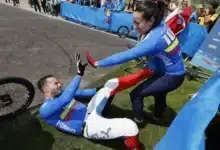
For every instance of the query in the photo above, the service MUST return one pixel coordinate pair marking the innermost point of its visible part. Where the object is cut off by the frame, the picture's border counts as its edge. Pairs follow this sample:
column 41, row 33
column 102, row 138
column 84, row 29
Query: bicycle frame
column 193, row 73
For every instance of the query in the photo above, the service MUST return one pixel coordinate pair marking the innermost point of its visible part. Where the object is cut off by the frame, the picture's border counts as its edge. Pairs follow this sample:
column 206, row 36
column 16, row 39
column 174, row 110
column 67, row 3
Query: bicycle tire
column 124, row 34
column 31, row 93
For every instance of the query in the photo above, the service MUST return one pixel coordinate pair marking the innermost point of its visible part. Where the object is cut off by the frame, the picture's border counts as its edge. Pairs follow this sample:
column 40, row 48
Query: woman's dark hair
column 152, row 8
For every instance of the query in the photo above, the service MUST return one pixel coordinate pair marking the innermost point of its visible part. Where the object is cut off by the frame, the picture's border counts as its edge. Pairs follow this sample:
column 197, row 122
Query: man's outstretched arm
column 51, row 106
column 85, row 93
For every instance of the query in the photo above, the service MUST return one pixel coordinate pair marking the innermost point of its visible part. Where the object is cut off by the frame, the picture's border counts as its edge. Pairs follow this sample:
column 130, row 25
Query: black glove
column 79, row 66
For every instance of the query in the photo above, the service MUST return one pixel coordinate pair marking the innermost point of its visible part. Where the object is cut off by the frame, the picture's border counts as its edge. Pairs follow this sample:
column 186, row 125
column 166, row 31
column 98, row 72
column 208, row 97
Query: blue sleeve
column 51, row 106
column 85, row 93
column 144, row 48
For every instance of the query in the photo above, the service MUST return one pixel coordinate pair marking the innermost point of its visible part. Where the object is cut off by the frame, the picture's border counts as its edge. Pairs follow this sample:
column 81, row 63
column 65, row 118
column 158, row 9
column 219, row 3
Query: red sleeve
column 132, row 79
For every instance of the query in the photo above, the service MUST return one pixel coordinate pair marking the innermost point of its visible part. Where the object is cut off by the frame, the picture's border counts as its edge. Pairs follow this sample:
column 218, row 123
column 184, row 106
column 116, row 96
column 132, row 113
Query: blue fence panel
column 75, row 12
column 191, row 38
column 208, row 55
column 96, row 16
column 121, row 19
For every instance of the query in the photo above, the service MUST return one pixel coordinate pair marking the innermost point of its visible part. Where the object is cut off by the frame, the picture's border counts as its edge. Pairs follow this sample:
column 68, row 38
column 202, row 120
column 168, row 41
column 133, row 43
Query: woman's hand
column 91, row 60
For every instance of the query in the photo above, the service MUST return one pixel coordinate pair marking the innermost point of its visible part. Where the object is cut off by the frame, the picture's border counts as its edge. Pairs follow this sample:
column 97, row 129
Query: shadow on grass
column 24, row 133
column 167, row 118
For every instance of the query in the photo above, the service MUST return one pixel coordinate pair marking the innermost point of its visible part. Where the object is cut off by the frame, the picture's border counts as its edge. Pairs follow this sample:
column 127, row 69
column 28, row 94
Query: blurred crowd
column 113, row 5
column 15, row 2
column 203, row 14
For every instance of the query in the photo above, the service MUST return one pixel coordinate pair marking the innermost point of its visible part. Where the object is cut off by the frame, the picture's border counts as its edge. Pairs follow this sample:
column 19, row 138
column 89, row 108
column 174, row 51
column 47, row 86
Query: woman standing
column 162, row 49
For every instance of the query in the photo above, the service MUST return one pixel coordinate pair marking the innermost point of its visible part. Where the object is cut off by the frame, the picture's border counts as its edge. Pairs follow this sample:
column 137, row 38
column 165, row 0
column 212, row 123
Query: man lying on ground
column 61, row 110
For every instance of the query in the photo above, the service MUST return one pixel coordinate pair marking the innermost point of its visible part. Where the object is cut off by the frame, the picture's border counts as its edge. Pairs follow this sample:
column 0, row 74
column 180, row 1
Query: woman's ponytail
column 160, row 13
column 152, row 8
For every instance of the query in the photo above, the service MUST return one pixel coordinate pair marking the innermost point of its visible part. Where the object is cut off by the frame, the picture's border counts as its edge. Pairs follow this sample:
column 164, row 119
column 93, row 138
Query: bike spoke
column 4, row 88
column 2, row 111
column 19, row 95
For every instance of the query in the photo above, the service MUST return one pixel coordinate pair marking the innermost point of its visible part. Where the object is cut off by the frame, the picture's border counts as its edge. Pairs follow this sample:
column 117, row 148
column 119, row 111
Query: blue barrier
column 96, row 16
column 187, row 130
column 190, row 39
column 208, row 55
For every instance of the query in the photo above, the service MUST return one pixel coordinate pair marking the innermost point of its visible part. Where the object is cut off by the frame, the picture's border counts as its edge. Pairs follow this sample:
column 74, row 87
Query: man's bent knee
column 112, row 83
column 130, row 127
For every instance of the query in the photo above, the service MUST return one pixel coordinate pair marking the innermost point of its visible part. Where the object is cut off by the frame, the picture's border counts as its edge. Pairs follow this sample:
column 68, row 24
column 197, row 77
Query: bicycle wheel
column 16, row 94
column 123, row 31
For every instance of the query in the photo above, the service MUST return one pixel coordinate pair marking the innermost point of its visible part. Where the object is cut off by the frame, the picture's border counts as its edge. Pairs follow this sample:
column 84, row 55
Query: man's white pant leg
column 98, row 127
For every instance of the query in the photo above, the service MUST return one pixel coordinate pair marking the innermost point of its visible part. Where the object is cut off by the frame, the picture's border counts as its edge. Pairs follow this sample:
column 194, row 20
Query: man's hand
column 80, row 67
column 91, row 60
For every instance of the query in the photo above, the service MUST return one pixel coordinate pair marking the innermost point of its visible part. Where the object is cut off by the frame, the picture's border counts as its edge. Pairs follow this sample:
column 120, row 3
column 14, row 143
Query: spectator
column 43, row 4
column 186, row 10
column 95, row 3
column 102, row 2
column 108, row 4
column 36, row 5
column 198, row 13
column 167, row 4
column 85, row 2
column 56, row 6
column 72, row 1
column 79, row 2
column 15, row 2
column 132, row 5
column 119, row 5
column 211, row 16
column 173, row 5
column 178, row 19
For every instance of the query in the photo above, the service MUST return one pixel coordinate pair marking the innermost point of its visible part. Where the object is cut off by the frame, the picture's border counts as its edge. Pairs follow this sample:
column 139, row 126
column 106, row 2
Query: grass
column 27, row 132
